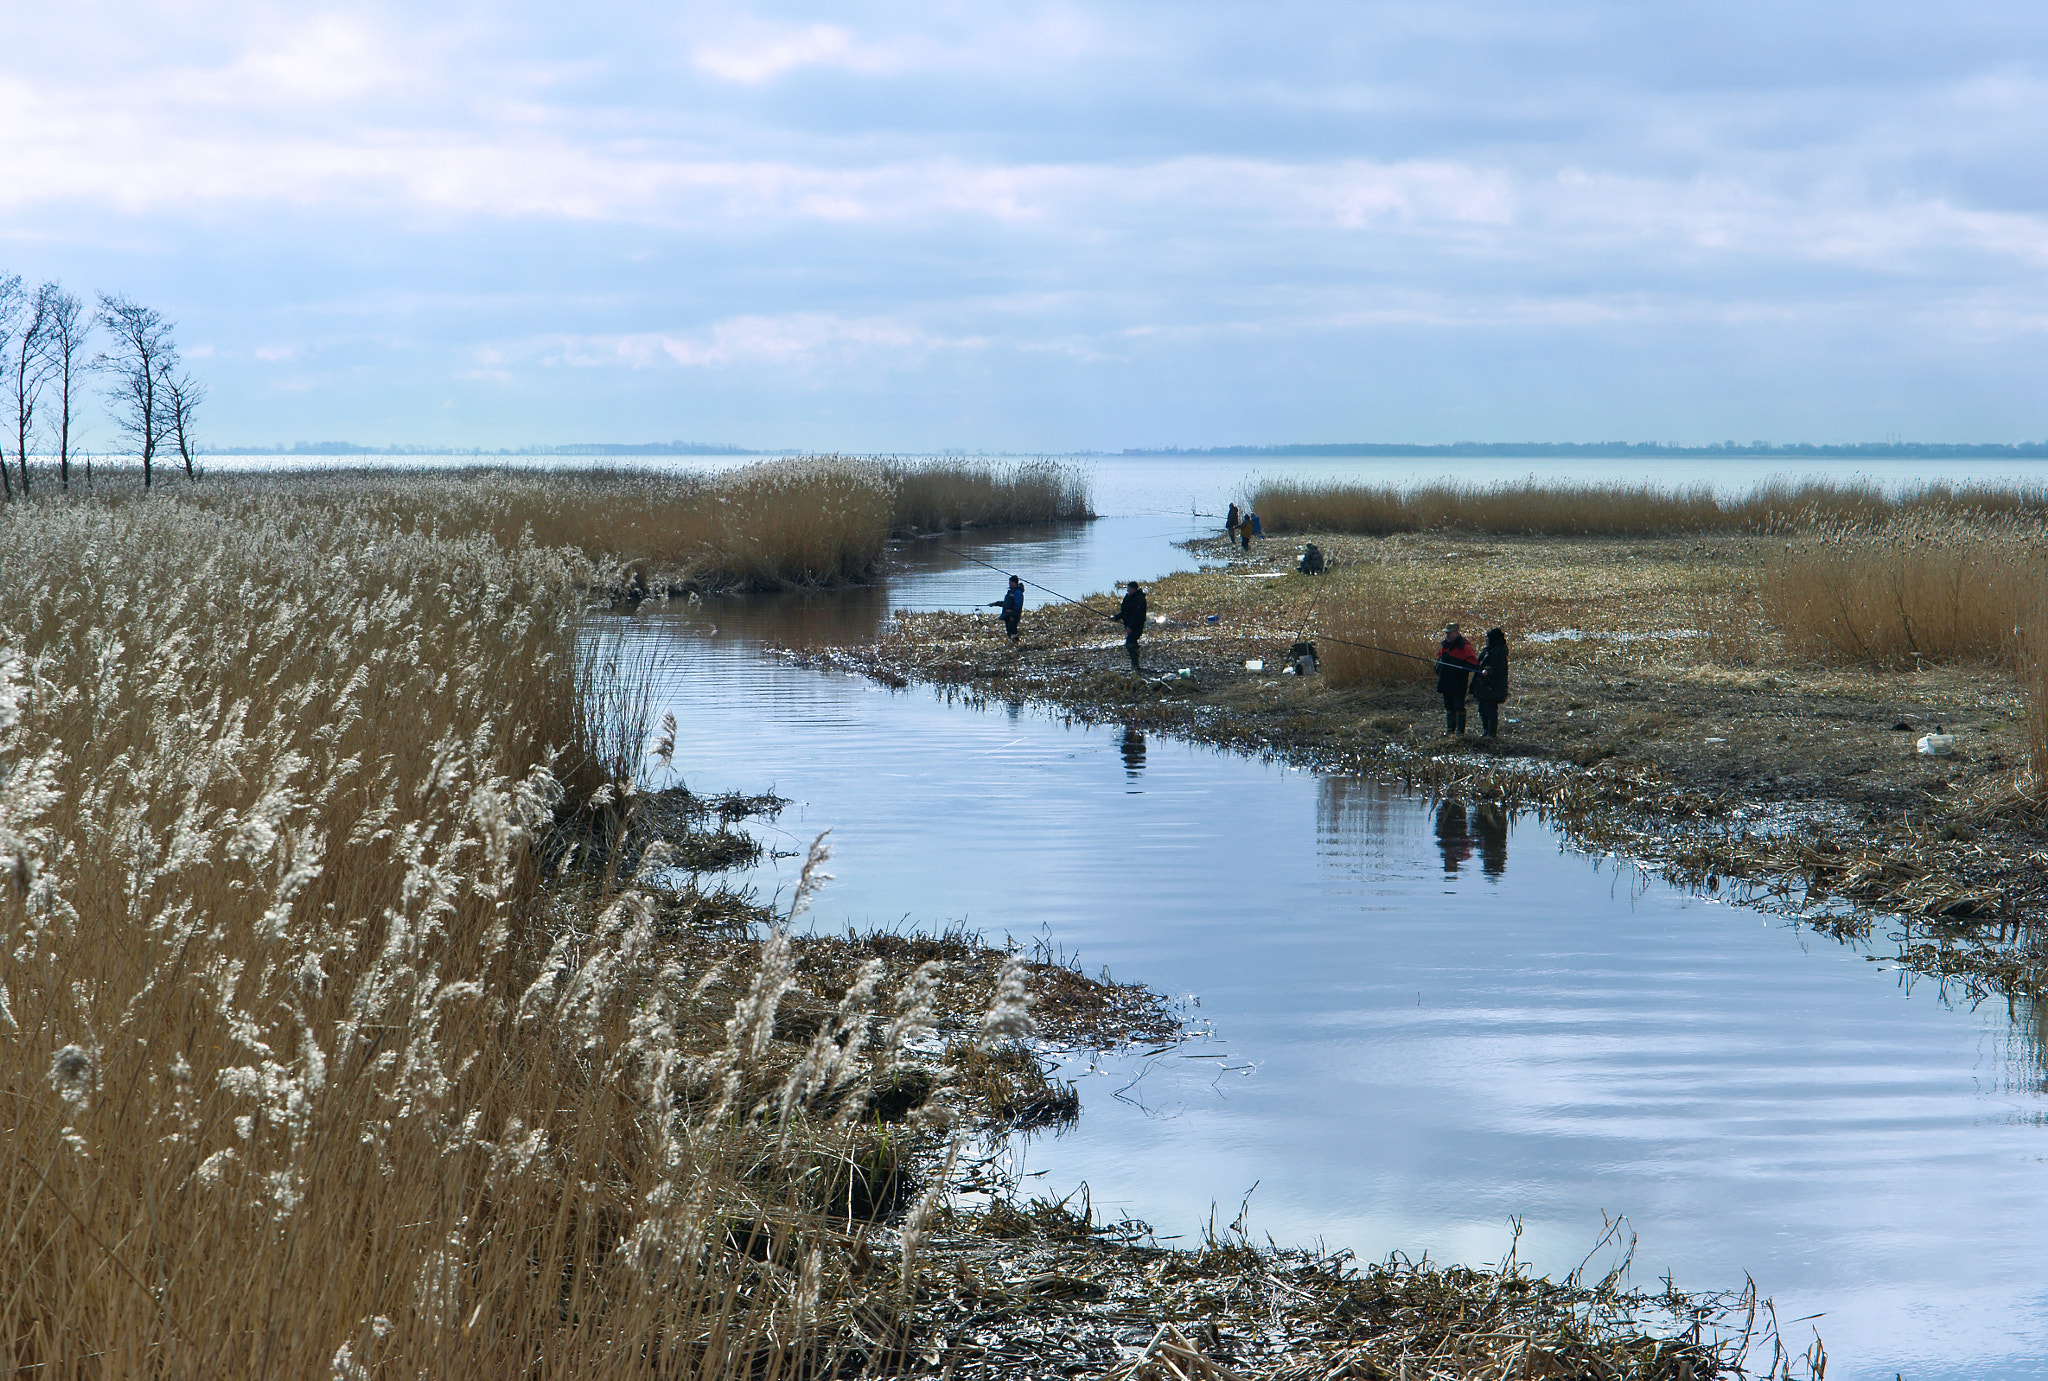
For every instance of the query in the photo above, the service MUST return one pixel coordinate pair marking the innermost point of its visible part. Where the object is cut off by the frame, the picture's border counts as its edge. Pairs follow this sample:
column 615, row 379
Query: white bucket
column 1937, row 745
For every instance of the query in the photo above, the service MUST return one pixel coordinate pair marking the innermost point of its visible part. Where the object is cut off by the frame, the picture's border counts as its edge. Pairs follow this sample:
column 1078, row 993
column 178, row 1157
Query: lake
column 1415, row 1019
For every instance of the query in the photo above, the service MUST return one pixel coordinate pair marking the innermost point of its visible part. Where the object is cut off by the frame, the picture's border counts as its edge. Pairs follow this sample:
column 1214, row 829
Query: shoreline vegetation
column 1728, row 691
column 362, row 1014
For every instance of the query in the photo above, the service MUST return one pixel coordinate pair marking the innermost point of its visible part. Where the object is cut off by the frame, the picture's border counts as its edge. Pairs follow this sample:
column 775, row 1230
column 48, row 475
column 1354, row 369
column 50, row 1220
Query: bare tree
column 142, row 354
column 27, row 372
column 182, row 395
column 64, row 332
column 10, row 313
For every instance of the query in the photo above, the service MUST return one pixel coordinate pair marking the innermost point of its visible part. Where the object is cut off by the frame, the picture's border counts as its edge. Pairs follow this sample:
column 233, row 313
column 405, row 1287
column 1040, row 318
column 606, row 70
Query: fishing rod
column 955, row 551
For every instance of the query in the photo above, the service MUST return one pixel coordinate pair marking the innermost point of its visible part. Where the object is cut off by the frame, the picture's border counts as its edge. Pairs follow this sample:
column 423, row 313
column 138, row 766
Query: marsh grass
column 943, row 496
column 1363, row 626
column 1542, row 508
column 817, row 520
column 307, row 1069
column 1902, row 594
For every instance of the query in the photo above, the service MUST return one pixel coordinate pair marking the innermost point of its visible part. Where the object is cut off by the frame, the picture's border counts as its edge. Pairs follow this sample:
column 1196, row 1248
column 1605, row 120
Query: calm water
column 1425, row 1018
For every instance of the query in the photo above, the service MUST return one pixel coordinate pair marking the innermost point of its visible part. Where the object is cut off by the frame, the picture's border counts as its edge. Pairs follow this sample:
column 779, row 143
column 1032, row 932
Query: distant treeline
column 1862, row 450
column 580, row 448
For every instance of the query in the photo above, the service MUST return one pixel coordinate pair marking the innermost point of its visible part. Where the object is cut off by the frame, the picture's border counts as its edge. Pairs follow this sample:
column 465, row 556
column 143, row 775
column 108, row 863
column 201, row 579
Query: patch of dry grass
column 1539, row 508
column 305, row 1072
column 1902, row 594
column 819, row 520
column 943, row 496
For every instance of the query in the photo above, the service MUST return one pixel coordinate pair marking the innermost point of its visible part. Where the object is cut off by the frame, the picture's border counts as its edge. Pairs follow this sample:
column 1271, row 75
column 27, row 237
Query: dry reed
column 1538, row 508
column 943, row 496
column 819, row 520
column 303, row 1074
column 1901, row 594
column 1360, row 628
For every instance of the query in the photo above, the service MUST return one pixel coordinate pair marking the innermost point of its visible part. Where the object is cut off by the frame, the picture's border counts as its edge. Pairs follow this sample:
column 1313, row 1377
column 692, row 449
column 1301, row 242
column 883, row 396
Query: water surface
column 1427, row 1017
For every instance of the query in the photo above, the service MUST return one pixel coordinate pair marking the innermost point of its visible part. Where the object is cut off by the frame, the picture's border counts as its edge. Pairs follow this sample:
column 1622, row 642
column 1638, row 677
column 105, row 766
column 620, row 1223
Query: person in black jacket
column 1131, row 614
column 1455, row 659
column 1490, row 681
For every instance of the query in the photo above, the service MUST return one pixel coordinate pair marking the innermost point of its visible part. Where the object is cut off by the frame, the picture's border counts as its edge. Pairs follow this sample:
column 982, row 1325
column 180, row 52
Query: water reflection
column 1461, row 830
column 1134, row 752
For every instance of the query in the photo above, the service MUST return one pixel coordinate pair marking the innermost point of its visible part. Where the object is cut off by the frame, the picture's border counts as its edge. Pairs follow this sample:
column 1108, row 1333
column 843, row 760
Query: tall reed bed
column 820, row 520
column 943, row 496
column 1374, row 618
column 301, row 1073
column 1537, row 508
column 1899, row 594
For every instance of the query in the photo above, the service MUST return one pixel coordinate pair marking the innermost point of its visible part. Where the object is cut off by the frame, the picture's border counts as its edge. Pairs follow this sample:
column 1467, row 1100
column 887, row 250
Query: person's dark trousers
column 1131, row 646
column 1489, row 717
column 1454, row 714
column 1010, row 626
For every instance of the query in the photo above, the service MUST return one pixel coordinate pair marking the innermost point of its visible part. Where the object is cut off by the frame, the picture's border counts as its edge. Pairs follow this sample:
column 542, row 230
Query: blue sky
column 899, row 226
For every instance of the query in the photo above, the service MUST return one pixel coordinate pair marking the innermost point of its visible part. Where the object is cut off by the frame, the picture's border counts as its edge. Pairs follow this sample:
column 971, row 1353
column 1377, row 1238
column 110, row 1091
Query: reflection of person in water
column 1490, row 828
column 1452, row 835
column 1134, row 751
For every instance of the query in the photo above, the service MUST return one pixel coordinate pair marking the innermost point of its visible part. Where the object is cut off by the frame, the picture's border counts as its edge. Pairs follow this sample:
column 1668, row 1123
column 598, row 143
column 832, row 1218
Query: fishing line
column 955, row 551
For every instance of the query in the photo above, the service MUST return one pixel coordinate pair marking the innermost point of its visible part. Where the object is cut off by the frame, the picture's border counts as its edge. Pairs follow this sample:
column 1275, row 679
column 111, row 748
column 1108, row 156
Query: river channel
column 1415, row 1020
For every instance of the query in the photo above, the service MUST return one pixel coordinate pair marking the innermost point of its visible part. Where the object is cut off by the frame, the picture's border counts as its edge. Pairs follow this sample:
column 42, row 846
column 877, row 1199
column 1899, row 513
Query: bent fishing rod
column 955, row 551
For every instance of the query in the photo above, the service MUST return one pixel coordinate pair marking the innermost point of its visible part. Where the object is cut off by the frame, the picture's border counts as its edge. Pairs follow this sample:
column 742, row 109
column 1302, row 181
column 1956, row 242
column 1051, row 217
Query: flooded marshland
column 1415, row 1019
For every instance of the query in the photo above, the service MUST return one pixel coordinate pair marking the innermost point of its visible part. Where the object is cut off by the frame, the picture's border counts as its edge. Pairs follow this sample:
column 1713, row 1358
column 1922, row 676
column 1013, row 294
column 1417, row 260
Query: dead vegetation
column 1040, row 1288
column 1544, row 508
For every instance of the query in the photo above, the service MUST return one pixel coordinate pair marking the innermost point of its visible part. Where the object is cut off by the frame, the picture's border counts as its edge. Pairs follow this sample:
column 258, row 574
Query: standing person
column 1490, row 681
column 1131, row 614
column 1230, row 521
column 1012, row 605
column 1455, row 659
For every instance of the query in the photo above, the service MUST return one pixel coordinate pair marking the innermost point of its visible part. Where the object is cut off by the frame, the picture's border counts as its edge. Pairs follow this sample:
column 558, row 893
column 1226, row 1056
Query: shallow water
column 1426, row 1019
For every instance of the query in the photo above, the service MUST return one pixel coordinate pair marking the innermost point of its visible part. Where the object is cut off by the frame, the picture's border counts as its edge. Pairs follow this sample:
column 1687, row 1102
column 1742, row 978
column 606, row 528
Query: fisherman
column 1490, row 681
column 1131, row 614
column 1012, row 605
column 1302, row 656
column 1311, row 560
column 1230, row 521
column 1455, row 660
column 1247, row 528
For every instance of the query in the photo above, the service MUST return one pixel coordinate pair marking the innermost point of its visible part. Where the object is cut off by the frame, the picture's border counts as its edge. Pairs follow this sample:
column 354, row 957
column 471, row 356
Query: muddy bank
column 1649, row 713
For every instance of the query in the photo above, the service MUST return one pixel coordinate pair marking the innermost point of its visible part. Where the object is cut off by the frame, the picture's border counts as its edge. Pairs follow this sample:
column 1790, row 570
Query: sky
column 1052, row 227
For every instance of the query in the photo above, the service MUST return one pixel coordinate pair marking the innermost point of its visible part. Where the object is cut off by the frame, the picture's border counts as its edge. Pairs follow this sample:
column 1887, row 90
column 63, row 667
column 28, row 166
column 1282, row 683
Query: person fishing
column 1455, row 661
column 1311, row 562
column 1490, row 682
column 1230, row 521
column 1012, row 606
column 1131, row 614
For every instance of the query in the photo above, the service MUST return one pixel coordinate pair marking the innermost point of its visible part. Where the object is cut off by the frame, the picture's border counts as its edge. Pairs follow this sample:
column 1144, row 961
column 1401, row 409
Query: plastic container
column 1255, row 665
column 1937, row 745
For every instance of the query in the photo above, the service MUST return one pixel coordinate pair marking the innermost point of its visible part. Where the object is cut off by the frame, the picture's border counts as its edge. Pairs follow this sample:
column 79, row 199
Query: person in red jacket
column 1456, row 659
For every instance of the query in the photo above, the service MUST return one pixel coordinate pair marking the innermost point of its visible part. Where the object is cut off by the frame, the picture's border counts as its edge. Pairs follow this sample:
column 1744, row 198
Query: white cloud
column 789, row 339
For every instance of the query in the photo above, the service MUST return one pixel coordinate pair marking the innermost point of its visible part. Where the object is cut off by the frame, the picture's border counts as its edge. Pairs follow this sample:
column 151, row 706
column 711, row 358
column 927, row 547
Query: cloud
column 770, row 51
column 789, row 339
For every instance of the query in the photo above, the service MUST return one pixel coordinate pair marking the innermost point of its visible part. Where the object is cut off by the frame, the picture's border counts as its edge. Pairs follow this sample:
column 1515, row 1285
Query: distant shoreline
column 1868, row 450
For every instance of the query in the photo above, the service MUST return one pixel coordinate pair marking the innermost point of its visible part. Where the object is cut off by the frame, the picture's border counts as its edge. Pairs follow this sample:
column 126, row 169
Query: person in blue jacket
column 1012, row 605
